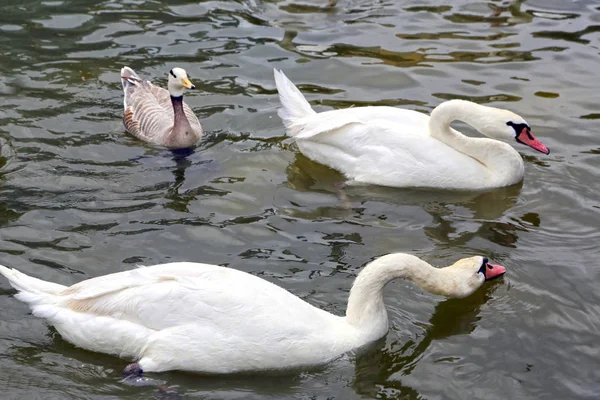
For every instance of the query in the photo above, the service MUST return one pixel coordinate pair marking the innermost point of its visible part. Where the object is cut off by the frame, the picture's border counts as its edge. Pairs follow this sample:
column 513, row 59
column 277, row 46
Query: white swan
column 159, row 116
column 403, row 148
column 207, row 318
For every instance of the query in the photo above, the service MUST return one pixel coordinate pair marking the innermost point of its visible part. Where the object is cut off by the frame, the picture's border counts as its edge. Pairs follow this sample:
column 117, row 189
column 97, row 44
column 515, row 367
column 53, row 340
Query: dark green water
column 79, row 198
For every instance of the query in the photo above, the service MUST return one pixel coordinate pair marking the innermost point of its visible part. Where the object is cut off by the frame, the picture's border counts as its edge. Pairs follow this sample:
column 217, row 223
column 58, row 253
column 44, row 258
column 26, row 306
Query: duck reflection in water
column 179, row 202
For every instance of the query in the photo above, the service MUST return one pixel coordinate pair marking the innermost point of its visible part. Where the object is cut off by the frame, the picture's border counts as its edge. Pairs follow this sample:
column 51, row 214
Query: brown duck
column 160, row 116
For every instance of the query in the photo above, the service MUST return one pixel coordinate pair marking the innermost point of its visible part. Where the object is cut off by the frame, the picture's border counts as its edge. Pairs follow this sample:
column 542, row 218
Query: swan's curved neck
column 500, row 158
column 365, row 304
column 444, row 114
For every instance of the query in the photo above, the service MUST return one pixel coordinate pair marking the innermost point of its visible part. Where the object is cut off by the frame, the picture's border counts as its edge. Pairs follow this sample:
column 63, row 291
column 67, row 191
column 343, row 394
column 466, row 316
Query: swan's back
column 188, row 316
column 179, row 293
column 385, row 146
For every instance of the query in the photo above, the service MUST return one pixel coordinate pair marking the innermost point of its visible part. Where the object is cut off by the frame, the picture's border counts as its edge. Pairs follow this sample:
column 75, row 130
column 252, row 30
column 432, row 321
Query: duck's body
column 403, row 148
column 207, row 318
column 159, row 116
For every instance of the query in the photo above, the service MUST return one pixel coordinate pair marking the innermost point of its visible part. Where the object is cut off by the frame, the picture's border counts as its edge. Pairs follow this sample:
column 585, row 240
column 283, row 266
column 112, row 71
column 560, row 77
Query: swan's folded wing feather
column 140, row 276
column 407, row 121
column 102, row 285
column 321, row 123
column 165, row 296
column 387, row 153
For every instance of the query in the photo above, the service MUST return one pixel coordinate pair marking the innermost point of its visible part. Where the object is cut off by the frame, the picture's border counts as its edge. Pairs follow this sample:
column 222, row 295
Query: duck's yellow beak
column 185, row 82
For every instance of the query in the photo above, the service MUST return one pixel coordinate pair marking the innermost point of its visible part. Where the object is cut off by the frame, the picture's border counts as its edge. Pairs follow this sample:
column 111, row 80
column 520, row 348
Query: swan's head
column 468, row 274
column 178, row 82
column 522, row 134
column 506, row 125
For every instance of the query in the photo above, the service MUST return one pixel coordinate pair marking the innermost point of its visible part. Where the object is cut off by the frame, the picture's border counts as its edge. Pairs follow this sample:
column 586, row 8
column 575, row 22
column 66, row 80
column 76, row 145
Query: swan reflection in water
column 456, row 216
column 380, row 367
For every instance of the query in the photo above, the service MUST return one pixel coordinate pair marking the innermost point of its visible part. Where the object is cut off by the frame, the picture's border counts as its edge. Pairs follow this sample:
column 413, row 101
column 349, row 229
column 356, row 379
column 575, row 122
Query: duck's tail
column 128, row 79
column 32, row 291
column 293, row 104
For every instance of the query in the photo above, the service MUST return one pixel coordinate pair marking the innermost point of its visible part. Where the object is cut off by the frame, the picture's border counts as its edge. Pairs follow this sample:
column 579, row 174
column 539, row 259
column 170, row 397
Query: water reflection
column 501, row 16
column 179, row 201
column 75, row 174
column 306, row 175
column 7, row 215
column 496, row 19
column 457, row 217
column 6, row 153
column 103, row 373
column 484, row 219
column 380, row 367
column 321, row 6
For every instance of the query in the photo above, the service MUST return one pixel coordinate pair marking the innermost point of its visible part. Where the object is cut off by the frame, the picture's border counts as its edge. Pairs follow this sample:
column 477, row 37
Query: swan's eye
column 519, row 129
column 171, row 72
column 483, row 265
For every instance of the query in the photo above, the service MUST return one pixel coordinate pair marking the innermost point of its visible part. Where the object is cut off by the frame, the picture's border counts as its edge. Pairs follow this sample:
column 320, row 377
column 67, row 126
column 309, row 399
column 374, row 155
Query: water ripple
column 79, row 198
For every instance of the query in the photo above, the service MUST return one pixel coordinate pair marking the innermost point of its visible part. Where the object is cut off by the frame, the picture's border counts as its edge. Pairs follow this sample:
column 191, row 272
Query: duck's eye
column 171, row 72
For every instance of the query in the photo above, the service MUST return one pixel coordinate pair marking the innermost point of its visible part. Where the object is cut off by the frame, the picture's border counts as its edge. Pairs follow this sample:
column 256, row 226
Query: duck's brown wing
column 147, row 115
column 164, row 99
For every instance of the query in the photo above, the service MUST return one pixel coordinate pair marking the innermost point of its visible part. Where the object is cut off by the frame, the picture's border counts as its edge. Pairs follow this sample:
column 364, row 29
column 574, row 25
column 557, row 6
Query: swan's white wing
column 176, row 294
column 386, row 146
column 328, row 121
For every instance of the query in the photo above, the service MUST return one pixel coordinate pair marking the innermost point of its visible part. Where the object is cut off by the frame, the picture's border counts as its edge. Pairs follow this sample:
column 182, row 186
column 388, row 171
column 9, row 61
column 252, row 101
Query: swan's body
column 207, row 318
column 403, row 148
column 159, row 116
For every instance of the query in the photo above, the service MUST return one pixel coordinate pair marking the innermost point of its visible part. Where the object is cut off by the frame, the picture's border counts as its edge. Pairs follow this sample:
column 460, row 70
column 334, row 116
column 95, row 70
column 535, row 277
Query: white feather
column 294, row 105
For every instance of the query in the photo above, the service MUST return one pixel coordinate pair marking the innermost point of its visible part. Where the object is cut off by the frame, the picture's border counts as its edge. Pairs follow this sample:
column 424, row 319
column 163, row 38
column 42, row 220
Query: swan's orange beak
column 493, row 271
column 526, row 137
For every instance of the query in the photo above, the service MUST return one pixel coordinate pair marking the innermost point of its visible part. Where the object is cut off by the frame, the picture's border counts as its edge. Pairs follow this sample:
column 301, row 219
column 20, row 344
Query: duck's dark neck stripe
column 180, row 120
column 177, row 99
column 177, row 104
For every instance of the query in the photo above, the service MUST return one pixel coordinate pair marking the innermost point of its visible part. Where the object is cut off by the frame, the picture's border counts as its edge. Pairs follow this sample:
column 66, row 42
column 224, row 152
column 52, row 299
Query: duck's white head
column 508, row 126
column 468, row 274
column 178, row 82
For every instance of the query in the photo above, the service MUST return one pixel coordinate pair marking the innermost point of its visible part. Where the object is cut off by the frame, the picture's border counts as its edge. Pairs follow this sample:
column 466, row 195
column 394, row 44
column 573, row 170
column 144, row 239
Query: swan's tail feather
column 293, row 103
column 31, row 290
